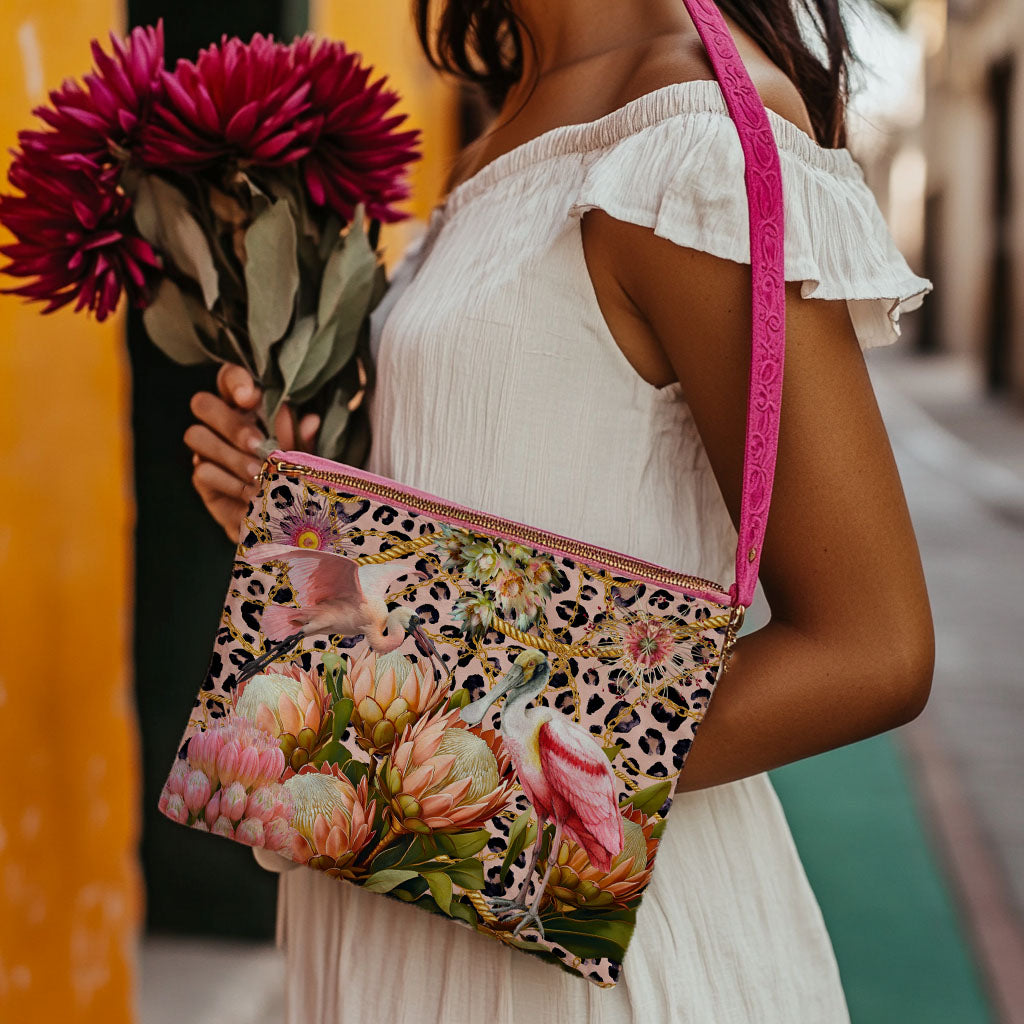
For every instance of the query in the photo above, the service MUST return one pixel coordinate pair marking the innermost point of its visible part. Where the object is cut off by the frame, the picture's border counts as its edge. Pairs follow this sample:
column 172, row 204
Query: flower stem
column 392, row 833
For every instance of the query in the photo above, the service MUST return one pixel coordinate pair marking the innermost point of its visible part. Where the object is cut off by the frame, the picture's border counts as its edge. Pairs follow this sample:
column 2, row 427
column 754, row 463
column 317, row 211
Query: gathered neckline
column 698, row 95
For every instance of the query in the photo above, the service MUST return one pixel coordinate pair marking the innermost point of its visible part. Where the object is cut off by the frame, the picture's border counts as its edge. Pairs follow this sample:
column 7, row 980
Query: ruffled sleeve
column 684, row 177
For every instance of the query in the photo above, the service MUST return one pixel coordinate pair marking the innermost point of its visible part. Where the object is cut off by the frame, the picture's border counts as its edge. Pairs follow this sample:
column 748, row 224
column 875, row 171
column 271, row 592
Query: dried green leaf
column 329, row 351
column 294, row 351
column 347, row 269
column 168, row 322
column 164, row 218
column 332, row 427
column 271, row 278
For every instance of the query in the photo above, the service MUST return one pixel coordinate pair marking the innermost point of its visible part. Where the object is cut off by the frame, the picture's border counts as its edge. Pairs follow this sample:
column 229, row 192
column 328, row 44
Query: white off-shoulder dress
column 501, row 387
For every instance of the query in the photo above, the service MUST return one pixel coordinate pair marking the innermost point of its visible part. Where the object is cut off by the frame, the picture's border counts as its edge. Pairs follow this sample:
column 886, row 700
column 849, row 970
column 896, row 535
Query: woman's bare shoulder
column 673, row 60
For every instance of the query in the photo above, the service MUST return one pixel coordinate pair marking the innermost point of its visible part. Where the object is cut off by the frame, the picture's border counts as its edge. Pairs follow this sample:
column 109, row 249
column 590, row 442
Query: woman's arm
column 849, row 650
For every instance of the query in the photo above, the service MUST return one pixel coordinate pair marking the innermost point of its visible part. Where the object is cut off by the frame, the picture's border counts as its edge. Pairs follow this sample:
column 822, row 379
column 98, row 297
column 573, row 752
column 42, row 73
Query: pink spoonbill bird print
column 334, row 594
column 564, row 774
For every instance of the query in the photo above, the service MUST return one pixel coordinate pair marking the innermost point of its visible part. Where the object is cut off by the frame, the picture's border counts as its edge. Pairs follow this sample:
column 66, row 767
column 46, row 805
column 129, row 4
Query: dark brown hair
column 480, row 42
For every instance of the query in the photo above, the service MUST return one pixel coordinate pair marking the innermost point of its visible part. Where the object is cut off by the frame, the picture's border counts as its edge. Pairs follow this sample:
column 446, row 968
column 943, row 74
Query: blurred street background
column 913, row 841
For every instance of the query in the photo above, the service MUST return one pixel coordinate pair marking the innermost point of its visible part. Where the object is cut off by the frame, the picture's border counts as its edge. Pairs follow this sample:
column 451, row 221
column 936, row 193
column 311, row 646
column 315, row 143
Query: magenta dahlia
column 85, row 120
column 242, row 100
column 356, row 155
column 74, row 236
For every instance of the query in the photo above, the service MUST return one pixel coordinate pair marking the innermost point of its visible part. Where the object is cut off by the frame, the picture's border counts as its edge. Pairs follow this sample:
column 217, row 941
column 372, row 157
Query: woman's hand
column 225, row 444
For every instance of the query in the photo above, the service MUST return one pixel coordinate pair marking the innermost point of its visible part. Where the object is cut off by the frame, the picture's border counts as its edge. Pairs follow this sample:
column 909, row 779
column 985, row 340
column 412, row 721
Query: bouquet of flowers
column 236, row 199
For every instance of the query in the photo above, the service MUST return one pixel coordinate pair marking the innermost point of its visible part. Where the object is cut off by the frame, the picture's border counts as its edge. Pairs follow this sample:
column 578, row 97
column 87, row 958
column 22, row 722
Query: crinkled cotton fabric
column 501, row 387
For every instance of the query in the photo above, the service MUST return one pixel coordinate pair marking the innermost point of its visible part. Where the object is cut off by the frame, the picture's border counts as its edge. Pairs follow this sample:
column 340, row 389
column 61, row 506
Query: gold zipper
column 578, row 549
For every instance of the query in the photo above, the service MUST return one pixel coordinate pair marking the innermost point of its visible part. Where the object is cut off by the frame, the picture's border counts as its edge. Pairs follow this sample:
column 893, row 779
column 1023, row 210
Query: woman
column 567, row 345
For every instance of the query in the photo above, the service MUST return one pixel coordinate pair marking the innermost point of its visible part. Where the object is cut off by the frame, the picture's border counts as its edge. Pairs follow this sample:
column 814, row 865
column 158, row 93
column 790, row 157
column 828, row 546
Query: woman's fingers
column 209, row 478
column 211, row 447
column 224, row 499
column 284, row 427
column 234, row 426
column 235, row 384
column 297, row 437
column 308, row 426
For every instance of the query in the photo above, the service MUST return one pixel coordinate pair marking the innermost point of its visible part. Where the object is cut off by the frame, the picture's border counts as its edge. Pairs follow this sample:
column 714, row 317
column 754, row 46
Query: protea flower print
column 241, row 100
column 356, row 155
column 227, row 784
column 444, row 777
column 576, row 882
column 389, row 692
column 475, row 612
column 514, row 581
column 332, row 819
column 516, row 597
column 293, row 706
column 481, row 560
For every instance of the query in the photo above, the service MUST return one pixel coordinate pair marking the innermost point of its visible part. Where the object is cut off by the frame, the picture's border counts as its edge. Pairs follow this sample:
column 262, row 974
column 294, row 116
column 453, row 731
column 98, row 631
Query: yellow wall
column 70, row 890
column 384, row 34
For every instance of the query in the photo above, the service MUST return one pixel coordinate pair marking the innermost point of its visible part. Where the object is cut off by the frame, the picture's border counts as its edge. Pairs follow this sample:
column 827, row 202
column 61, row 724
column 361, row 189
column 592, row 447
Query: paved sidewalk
column 914, row 840
column 962, row 462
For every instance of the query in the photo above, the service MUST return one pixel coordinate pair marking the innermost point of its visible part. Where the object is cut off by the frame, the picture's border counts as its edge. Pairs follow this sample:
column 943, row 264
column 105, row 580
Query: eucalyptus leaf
column 294, row 350
column 350, row 257
column 329, row 236
column 269, row 404
column 164, row 218
column 168, row 322
column 333, row 424
column 330, row 348
column 271, row 278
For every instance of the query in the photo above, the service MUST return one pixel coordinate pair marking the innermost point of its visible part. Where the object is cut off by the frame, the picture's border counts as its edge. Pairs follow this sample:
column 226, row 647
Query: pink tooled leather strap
column 767, row 268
